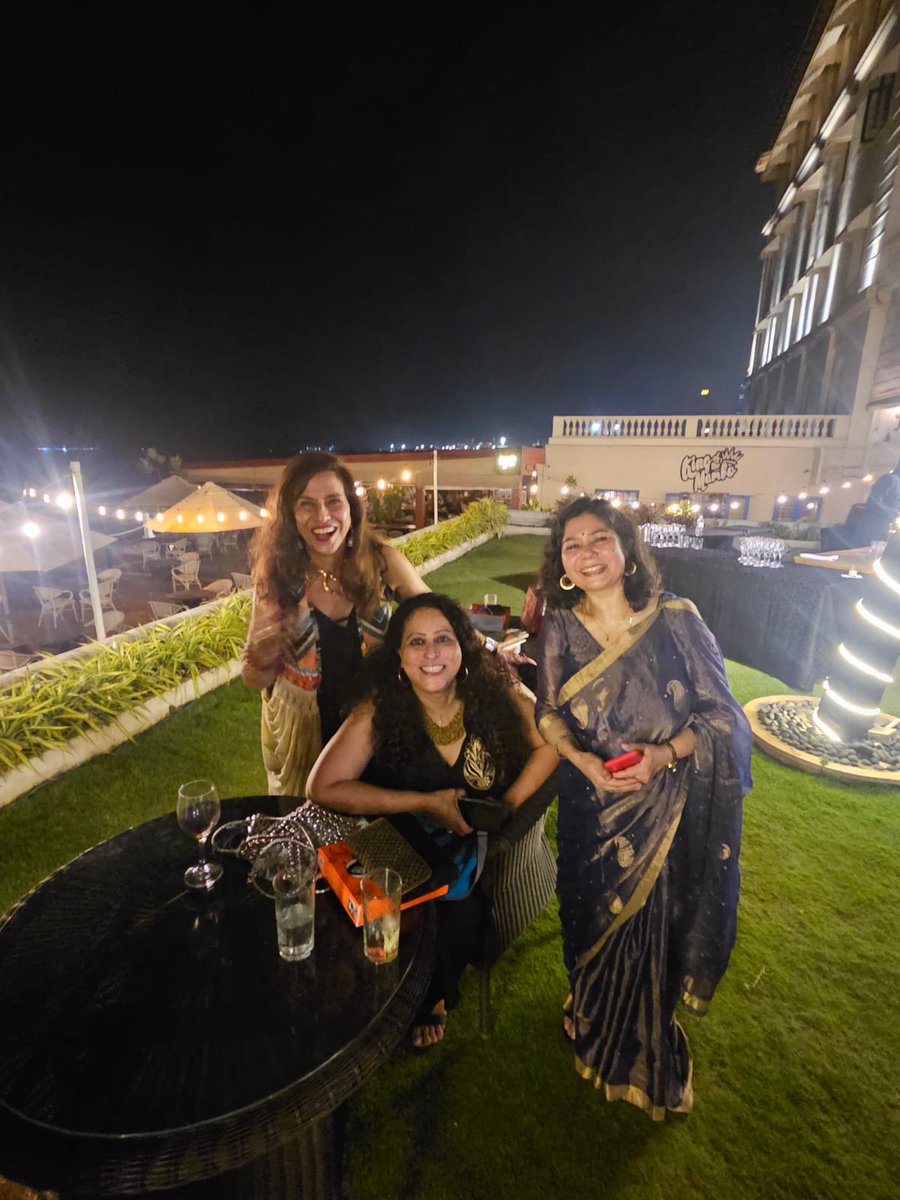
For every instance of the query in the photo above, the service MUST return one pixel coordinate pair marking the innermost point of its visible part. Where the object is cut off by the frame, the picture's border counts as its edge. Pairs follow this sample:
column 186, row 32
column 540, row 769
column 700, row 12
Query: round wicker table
column 153, row 1042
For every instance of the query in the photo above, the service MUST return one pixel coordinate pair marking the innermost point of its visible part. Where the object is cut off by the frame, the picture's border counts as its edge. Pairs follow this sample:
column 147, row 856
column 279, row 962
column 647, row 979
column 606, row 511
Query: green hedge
column 60, row 699
column 482, row 516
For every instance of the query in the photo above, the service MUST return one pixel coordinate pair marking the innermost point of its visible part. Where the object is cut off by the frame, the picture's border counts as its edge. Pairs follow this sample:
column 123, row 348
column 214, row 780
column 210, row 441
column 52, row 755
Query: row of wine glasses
column 670, row 533
column 760, row 551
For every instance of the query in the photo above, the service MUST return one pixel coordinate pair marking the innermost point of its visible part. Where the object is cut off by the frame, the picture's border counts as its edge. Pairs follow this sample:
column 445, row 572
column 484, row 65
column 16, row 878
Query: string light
column 31, row 529
column 830, row 733
column 242, row 516
column 64, row 500
column 866, row 668
column 179, row 517
column 199, row 518
column 220, row 516
column 823, row 491
column 159, row 516
column 381, row 485
column 882, row 572
column 46, row 497
column 139, row 516
column 101, row 509
column 737, row 504
column 120, row 514
column 263, row 512
column 884, row 626
column 782, row 500
column 847, row 483
column 406, row 476
column 842, row 702
column 867, row 478
column 801, row 495
column 533, row 489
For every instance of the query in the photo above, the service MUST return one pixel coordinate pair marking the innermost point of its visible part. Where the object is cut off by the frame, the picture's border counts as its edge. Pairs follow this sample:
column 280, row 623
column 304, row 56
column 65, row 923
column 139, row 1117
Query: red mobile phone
column 629, row 759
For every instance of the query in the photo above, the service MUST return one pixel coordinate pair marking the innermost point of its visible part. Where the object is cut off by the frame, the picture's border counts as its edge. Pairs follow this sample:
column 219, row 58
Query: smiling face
column 592, row 554
column 322, row 514
column 430, row 655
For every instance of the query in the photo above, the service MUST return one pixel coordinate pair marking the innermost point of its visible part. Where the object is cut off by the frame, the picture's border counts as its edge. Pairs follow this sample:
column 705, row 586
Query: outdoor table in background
column 152, row 1038
column 785, row 622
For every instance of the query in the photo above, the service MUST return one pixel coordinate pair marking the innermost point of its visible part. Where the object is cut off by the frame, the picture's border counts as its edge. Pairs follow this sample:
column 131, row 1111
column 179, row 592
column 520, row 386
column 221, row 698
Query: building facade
column 827, row 334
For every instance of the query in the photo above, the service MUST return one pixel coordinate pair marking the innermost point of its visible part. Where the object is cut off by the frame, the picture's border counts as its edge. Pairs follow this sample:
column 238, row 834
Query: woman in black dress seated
column 438, row 719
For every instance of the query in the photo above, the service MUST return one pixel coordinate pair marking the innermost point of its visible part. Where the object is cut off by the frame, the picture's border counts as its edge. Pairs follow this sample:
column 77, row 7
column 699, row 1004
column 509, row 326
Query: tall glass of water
column 198, row 811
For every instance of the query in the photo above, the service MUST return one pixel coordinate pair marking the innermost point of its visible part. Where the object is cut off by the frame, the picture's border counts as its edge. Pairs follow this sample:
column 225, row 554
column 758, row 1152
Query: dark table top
column 152, row 1032
column 785, row 622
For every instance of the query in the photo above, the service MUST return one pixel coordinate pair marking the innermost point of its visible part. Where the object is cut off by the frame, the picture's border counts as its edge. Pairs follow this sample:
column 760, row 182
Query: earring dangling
column 349, row 540
column 462, row 674
column 402, row 677
column 632, row 570
column 565, row 583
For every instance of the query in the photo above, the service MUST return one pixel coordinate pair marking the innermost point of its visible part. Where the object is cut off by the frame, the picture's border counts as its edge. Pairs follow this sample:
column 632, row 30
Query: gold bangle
column 672, row 764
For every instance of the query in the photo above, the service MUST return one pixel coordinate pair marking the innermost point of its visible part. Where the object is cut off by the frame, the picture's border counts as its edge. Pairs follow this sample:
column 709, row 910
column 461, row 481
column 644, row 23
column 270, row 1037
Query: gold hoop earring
column 565, row 583
column 633, row 570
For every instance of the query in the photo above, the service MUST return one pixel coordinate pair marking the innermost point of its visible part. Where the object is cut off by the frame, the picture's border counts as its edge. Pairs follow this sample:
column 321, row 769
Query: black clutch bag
column 483, row 812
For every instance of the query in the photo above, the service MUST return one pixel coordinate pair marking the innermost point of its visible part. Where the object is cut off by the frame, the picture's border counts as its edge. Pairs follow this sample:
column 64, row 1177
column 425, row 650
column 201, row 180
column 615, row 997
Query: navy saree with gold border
column 648, row 881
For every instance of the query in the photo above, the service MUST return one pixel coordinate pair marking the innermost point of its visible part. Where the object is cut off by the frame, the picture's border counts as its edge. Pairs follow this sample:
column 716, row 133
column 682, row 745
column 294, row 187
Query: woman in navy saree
column 648, row 857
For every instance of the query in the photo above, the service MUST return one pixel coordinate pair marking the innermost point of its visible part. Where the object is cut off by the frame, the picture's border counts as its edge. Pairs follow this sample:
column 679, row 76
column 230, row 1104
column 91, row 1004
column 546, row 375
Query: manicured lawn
column 797, row 1065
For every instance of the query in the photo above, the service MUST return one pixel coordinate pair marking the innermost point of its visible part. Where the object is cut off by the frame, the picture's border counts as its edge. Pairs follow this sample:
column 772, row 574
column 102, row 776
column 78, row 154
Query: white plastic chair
column 187, row 573
column 54, row 602
column 113, row 621
column 149, row 553
column 177, row 548
column 241, row 581
column 218, row 588
column 205, row 543
column 106, row 589
column 114, row 574
column 160, row 609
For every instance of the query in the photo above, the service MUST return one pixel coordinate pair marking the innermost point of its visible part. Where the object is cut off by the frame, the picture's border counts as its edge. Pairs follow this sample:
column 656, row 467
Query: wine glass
column 198, row 811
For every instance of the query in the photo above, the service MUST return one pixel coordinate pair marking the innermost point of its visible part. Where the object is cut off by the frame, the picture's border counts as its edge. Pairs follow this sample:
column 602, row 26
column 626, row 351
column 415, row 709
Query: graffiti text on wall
column 704, row 469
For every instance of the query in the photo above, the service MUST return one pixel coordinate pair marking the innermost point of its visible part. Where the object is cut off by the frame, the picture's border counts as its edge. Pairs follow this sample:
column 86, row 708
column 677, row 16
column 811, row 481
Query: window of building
column 797, row 508
column 624, row 498
column 878, row 106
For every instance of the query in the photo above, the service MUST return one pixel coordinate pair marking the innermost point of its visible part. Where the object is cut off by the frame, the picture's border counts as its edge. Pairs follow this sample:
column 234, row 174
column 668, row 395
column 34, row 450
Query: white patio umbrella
column 159, row 496
column 209, row 509
column 38, row 542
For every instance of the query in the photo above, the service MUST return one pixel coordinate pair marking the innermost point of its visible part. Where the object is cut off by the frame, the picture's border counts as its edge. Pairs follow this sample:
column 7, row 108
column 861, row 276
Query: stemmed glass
column 198, row 811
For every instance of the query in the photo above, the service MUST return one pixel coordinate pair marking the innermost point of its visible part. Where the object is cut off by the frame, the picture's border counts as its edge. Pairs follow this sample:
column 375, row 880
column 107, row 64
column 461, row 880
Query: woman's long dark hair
column 639, row 586
column 483, row 684
column 278, row 552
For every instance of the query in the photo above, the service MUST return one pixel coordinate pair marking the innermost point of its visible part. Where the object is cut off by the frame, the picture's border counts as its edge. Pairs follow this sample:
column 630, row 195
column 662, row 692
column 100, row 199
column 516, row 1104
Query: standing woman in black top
column 322, row 579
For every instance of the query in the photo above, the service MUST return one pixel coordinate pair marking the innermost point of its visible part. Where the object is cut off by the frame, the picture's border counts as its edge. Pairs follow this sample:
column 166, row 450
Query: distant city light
column 502, row 441
column 704, row 391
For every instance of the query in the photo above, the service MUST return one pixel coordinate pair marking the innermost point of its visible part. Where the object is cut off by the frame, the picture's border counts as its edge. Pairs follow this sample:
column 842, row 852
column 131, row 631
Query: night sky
column 230, row 230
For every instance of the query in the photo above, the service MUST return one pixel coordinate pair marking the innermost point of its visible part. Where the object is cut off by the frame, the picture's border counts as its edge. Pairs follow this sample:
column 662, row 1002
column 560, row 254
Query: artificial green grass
column 796, row 1065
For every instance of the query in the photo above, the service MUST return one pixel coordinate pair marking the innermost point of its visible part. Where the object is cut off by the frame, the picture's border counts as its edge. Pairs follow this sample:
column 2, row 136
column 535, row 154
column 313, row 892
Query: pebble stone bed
column 791, row 721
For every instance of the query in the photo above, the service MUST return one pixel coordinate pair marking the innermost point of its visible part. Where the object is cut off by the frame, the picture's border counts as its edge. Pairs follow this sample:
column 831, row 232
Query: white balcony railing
column 782, row 427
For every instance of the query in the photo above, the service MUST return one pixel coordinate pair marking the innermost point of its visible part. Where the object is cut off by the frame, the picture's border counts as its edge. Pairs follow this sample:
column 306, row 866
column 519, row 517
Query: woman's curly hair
column 639, row 586
column 278, row 553
column 483, row 683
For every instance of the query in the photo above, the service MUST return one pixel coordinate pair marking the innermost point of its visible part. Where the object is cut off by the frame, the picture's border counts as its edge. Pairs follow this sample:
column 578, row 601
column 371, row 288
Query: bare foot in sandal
column 428, row 1028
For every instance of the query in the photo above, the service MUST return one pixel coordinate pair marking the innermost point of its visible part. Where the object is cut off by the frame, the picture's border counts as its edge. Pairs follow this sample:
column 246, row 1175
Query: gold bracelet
column 672, row 764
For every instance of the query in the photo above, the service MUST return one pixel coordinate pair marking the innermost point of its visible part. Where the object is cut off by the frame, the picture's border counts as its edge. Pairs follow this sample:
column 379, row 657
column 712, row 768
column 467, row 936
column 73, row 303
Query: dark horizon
column 230, row 237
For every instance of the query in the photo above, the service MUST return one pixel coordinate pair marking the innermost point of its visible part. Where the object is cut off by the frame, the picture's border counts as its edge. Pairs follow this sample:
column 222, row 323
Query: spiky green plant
column 61, row 698
column 481, row 516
